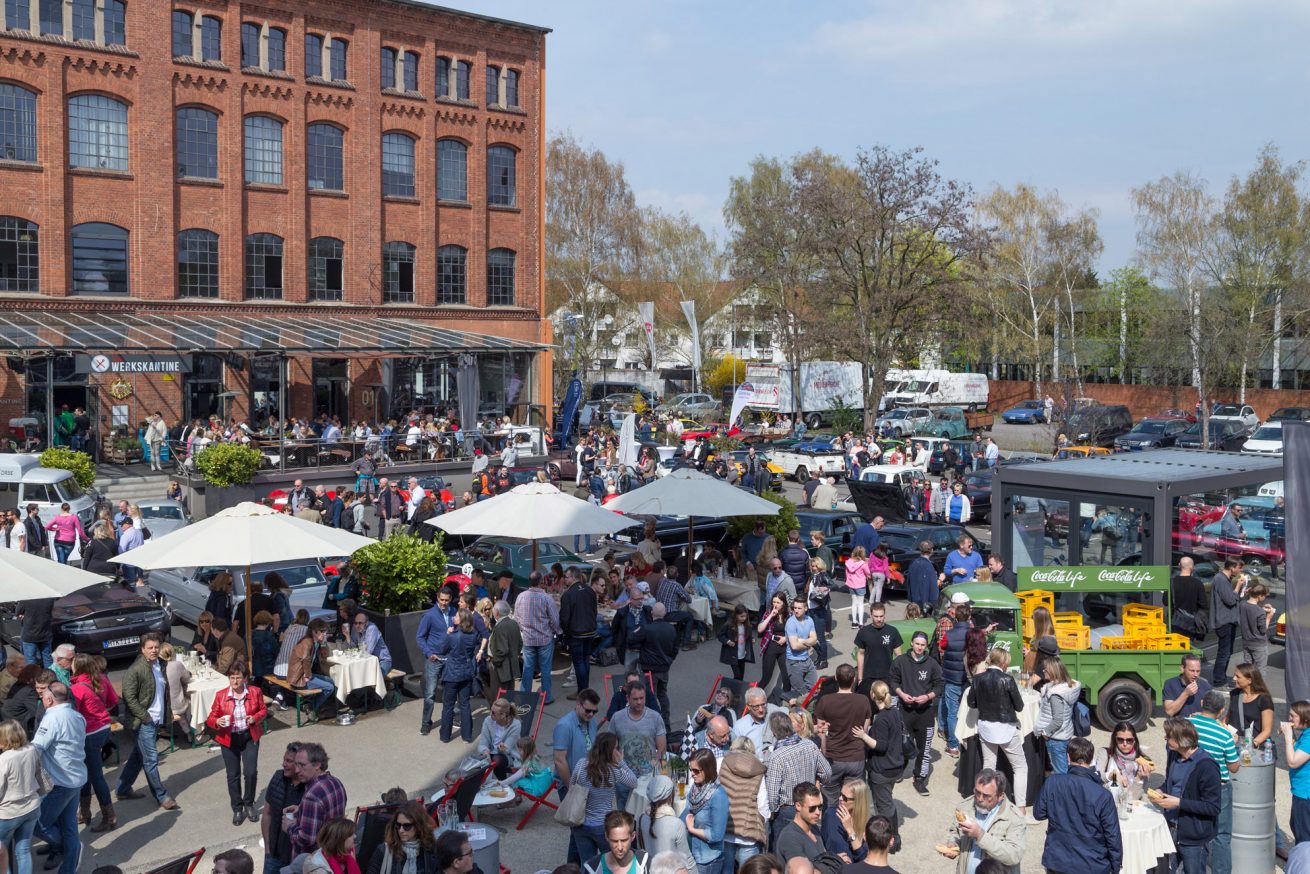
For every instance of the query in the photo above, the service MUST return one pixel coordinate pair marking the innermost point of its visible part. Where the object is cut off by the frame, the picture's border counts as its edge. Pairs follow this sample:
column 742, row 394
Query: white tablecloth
column 1145, row 839
column 638, row 803
column 202, row 689
column 356, row 672
column 734, row 591
column 700, row 608
column 966, row 721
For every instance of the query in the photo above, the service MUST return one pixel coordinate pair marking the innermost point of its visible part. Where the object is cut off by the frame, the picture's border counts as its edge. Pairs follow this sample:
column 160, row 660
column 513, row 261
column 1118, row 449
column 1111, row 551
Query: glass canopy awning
column 46, row 331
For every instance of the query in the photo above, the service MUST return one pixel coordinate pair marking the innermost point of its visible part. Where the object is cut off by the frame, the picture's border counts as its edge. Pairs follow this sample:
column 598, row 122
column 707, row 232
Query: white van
column 24, row 481
column 935, row 388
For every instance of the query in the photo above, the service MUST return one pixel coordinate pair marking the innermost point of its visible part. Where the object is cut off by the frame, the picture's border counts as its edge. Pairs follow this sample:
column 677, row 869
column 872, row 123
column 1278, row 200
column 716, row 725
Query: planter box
column 124, row 456
column 400, row 631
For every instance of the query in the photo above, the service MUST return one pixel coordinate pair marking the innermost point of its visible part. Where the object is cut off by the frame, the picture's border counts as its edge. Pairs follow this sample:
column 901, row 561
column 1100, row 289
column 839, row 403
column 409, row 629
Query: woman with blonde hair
column 802, row 722
column 884, row 738
column 995, row 695
column 842, row 827
column 179, row 681
column 1055, row 716
column 498, row 742
column 764, row 558
column 21, row 777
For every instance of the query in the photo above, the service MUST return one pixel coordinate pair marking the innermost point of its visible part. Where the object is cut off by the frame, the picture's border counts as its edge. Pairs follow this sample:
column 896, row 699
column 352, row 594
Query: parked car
column 1151, row 434
column 182, row 592
column 104, row 619
column 1175, row 413
column 1025, row 413
column 1081, row 452
column 603, row 388
column 1099, row 425
column 903, row 421
column 163, row 516
column 957, row 422
column 495, row 554
column 1267, row 439
column 1292, row 414
column 691, row 404
column 803, row 461
column 838, row 529
column 978, row 486
column 1243, row 413
column 903, row 540
column 1225, row 434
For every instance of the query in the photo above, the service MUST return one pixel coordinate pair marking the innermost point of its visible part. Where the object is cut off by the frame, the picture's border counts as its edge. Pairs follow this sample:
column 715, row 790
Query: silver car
column 903, row 421
column 692, row 405
column 182, row 592
column 163, row 516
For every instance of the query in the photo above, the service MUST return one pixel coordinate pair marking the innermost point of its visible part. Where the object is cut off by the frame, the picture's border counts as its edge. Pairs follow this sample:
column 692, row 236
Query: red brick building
column 313, row 205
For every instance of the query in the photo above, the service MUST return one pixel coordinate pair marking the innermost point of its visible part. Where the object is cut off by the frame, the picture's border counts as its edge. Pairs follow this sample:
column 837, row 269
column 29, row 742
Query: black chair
column 529, row 706
column 370, row 827
column 184, row 865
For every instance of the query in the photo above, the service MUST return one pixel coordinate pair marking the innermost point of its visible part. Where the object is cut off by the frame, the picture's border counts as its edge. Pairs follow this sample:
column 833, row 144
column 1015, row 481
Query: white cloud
column 704, row 209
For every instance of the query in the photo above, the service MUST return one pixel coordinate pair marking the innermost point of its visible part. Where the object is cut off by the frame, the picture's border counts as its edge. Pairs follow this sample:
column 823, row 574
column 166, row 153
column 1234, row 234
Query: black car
column 1152, row 434
column 903, row 540
column 1290, row 414
column 963, row 449
column 671, row 531
column 1098, row 426
column 978, row 485
column 106, row 619
column 838, row 527
column 1227, row 435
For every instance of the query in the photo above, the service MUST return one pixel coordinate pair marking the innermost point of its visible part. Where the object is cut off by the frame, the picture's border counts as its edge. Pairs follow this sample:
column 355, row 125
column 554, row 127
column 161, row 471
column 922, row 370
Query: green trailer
column 1121, row 685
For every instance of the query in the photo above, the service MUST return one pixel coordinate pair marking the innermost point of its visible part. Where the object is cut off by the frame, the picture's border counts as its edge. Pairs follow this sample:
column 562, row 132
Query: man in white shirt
column 416, row 496
column 755, row 724
column 992, row 453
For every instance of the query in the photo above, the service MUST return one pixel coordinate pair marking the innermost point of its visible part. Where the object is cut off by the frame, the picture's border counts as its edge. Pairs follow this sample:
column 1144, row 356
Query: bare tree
column 1075, row 244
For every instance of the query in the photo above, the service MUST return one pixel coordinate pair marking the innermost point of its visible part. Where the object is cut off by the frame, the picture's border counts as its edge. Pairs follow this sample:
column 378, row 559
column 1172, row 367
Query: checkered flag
column 689, row 744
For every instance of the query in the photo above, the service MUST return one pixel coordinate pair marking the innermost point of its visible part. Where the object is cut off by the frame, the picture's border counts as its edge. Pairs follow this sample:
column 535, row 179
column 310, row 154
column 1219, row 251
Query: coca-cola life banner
column 1149, row 578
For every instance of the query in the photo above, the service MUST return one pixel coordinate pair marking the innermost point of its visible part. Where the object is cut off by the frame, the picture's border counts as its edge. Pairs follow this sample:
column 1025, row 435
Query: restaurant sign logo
column 1094, row 579
column 122, row 364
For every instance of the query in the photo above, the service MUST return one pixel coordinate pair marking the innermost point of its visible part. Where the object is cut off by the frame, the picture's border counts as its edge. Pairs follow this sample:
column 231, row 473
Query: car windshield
column 898, row 414
column 943, row 538
column 1149, row 428
column 1226, row 410
column 1288, row 413
column 297, row 576
column 1002, row 618
column 156, row 511
column 1030, row 405
column 1268, row 434
column 69, row 490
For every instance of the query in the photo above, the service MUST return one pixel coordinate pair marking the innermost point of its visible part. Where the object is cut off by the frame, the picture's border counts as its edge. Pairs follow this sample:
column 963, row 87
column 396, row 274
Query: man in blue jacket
column 954, row 673
column 432, row 631
column 1192, row 793
column 1083, row 831
column 866, row 535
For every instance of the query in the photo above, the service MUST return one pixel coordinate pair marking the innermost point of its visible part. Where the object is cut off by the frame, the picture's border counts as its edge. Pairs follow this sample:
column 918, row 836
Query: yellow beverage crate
column 1031, row 599
column 1073, row 638
column 1027, row 627
column 1069, row 620
column 1171, row 641
column 1145, row 628
column 1120, row 643
column 1143, row 611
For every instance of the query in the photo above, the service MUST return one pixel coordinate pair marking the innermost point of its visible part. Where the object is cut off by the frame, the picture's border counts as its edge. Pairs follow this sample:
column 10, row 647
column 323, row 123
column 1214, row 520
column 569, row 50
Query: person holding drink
column 237, row 720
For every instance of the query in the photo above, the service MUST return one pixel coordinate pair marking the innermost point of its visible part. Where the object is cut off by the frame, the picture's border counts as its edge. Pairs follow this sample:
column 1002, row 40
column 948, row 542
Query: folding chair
column 614, row 681
column 185, row 865
column 370, row 828
column 529, row 706
column 814, row 690
column 537, row 801
column 463, row 793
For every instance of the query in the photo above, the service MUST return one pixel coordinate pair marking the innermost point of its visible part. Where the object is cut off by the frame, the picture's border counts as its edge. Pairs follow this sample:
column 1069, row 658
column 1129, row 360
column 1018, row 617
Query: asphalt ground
column 384, row 749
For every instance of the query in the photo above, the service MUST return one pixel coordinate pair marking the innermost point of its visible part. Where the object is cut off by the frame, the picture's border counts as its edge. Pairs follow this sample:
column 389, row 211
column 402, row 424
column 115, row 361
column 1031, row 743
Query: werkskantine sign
column 1149, row 578
column 133, row 364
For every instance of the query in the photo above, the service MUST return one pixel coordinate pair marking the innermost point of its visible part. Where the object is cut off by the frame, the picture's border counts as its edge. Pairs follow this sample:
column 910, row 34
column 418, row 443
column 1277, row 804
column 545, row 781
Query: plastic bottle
column 1268, row 754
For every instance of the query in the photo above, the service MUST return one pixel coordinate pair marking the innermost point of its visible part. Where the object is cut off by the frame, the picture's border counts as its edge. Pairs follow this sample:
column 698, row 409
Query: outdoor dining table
column 350, row 672
column 700, row 608
column 205, row 685
column 971, row 748
column 1147, row 844
column 639, row 803
column 733, row 592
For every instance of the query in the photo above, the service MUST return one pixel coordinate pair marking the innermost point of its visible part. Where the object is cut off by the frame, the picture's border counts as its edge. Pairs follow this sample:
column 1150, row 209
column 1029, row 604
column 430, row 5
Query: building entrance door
column 332, row 388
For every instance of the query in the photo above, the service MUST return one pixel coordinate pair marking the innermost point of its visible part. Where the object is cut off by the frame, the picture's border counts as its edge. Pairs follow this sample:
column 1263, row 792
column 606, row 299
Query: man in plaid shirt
column 675, row 600
column 794, row 760
column 538, row 618
column 325, row 798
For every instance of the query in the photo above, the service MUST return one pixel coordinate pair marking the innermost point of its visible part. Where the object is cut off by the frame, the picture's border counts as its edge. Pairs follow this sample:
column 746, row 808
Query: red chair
column 463, row 792
column 184, row 865
column 537, row 801
column 813, row 691
column 737, row 687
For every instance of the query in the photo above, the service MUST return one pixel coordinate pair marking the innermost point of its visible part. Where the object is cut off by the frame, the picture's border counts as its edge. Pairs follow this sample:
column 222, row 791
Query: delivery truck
column 824, row 385
column 934, row 388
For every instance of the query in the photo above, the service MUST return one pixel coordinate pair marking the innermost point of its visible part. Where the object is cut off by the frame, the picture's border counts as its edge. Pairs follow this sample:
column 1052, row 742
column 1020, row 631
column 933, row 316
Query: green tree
column 1119, row 313
column 228, row 464
column 778, row 525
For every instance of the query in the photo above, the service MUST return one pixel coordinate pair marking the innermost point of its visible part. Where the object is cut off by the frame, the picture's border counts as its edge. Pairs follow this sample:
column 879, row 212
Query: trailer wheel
column 802, row 475
column 813, row 421
column 1123, row 700
column 946, row 435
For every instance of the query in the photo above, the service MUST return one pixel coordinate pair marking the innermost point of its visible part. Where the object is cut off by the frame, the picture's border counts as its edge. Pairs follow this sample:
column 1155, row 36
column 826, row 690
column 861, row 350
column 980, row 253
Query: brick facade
column 154, row 206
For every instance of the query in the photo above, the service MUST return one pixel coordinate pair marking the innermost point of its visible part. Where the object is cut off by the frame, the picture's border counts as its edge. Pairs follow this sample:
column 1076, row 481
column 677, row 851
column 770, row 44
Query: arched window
column 99, row 259
column 211, row 38
column 97, row 132
column 325, row 157
column 493, row 85
column 452, row 274
column 512, row 88
column 277, row 49
column 388, row 70
column 264, row 267
column 263, row 150
column 197, row 143
column 501, row 161
column 325, row 268
column 500, row 278
column 250, row 44
column 313, row 55
column 452, row 171
column 398, row 273
column 398, row 165
column 183, row 45
column 19, row 258
column 17, row 123
column 197, row 263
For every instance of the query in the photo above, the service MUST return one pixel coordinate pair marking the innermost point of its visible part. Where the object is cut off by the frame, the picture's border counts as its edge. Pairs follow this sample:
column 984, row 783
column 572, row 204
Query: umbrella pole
column 250, row 654
column 534, row 556
column 691, row 539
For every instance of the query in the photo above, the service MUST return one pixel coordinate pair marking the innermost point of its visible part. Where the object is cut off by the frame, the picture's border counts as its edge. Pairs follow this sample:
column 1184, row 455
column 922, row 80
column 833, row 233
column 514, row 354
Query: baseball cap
column 960, row 598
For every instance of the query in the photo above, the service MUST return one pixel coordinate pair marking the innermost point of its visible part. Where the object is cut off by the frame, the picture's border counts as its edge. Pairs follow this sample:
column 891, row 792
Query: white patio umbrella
column 532, row 511
column 241, row 536
column 690, row 493
column 29, row 577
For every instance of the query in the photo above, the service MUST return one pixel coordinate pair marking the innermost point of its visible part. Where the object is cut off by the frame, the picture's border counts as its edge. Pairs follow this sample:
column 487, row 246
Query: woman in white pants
column 996, row 696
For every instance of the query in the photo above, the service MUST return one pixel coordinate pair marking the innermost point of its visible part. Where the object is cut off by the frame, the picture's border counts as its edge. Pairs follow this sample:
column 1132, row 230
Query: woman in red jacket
column 95, row 698
column 237, row 720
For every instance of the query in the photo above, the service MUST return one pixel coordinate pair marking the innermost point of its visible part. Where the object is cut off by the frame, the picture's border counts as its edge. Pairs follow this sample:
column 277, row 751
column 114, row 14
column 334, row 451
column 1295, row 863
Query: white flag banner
column 628, row 441
column 689, row 310
column 739, row 401
column 646, row 312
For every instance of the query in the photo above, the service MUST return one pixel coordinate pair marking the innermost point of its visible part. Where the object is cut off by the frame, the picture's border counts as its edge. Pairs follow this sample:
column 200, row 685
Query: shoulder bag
column 573, row 809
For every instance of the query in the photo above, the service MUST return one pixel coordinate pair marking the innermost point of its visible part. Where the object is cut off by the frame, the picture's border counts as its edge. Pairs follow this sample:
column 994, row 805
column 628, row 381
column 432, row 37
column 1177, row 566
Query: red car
column 1189, row 415
column 711, row 431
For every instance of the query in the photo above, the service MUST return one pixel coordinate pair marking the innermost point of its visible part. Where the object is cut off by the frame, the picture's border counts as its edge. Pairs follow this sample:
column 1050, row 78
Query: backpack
column 1082, row 719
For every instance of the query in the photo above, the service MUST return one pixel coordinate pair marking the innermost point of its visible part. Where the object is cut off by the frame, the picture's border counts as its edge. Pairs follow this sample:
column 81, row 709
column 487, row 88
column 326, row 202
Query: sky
column 1084, row 99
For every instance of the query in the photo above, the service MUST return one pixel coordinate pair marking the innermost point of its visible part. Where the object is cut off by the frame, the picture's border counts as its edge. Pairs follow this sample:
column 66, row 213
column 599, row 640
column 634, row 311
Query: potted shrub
column 228, row 464
column 124, row 449
column 400, row 578
column 79, row 464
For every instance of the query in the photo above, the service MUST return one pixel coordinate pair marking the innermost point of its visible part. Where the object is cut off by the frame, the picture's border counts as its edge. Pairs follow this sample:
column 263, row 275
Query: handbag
column 572, row 811
column 1191, row 624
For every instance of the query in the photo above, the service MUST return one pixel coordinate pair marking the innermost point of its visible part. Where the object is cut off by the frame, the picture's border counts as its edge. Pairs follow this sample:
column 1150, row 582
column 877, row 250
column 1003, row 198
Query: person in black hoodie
column 916, row 680
column 1192, row 790
column 658, row 640
column 577, row 619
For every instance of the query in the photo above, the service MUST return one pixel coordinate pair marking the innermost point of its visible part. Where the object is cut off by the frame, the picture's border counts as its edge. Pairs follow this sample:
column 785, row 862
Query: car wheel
column 552, row 471
column 1256, row 565
column 802, row 474
column 946, row 435
column 1123, row 700
column 813, row 421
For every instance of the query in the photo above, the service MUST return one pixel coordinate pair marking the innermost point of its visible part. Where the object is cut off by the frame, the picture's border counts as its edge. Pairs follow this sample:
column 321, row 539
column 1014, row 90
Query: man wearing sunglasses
column 801, row 836
column 574, row 734
column 454, row 853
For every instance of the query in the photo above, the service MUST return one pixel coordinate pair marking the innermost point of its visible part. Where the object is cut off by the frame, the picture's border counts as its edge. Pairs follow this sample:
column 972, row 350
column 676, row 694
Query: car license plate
column 122, row 641
column 626, row 538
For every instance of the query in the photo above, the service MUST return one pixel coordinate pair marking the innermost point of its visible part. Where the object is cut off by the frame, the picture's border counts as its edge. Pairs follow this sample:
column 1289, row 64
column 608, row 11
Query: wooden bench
column 301, row 694
column 394, row 680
